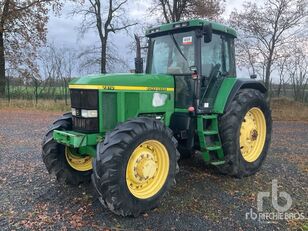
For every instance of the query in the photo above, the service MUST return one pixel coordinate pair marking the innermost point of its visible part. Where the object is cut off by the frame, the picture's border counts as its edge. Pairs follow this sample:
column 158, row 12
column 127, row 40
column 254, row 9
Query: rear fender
column 244, row 84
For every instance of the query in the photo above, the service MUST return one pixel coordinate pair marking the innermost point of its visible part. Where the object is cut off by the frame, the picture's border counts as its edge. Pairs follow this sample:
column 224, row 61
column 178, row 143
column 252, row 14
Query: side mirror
column 253, row 76
column 193, row 69
column 208, row 33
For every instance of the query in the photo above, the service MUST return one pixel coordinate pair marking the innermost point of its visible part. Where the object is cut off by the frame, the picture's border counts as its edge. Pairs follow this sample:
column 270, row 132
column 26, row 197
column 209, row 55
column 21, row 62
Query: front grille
column 85, row 124
column 84, row 99
column 109, row 104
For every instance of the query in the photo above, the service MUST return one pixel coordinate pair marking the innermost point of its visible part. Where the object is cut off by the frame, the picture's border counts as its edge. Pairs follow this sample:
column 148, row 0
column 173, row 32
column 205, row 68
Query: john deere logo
column 156, row 89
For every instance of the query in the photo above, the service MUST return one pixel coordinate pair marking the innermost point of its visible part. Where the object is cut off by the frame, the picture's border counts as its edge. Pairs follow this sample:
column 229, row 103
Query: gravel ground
column 202, row 199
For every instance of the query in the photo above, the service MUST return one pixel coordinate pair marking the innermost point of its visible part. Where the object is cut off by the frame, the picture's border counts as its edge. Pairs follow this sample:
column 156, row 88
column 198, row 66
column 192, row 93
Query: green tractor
column 126, row 132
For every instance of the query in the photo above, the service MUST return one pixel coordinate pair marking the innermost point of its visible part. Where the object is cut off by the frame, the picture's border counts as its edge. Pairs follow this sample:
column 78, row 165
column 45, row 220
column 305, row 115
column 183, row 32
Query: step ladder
column 210, row 143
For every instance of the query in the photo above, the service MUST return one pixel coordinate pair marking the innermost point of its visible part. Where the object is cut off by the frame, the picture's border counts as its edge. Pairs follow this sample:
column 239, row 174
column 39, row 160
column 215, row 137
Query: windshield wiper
column 178, row 47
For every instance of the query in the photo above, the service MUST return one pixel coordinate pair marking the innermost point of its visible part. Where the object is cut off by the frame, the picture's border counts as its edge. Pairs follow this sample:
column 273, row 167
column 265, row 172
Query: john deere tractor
column 126, row 132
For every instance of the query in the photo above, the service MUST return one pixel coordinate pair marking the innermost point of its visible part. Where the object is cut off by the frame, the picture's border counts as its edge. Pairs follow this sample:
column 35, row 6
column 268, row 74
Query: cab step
column 210, row 132
column 218, row 162
column 209, row 117
column 210, row 143
column 213, row 148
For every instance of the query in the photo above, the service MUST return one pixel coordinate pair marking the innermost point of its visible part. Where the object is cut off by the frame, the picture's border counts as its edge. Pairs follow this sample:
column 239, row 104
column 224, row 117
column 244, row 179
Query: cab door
column 217, row 63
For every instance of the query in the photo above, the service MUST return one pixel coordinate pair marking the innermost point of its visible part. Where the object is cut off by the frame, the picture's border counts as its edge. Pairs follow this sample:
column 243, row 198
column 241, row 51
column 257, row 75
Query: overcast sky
column 62, row 30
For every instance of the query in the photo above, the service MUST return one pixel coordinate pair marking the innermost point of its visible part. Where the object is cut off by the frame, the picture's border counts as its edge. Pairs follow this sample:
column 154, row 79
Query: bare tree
column 281, row 69
column 266, row 29
column 57, row 66
column 172, row 10
column 211, row 9
column 249, row 61
column 176, row 10
column 90, row 59
column 297, row 68
column 105, row 17
column 22, row 31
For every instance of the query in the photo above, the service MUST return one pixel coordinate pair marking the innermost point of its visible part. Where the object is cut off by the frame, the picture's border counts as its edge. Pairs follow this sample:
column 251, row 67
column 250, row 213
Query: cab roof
column 187, row 25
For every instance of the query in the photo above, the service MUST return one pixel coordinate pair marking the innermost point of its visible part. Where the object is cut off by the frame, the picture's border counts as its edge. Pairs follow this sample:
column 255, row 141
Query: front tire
column 245, row 131
column 61, row 161
column 135, row 166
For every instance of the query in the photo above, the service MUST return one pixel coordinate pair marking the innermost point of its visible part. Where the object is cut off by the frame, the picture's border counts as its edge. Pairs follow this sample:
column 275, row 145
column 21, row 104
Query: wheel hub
column 78, row 163
column 252, row 134
column 147, row 169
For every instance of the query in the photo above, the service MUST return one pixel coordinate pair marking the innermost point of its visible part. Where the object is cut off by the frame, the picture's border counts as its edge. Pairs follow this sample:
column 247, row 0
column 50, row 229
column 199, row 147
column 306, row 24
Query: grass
column 289, row 110
column 42, row 105
column 282, row 109
column 27, row 92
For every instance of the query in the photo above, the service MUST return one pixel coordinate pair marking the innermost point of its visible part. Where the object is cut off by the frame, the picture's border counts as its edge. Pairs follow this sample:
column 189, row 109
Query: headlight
column 74, row 113
column 89, row 113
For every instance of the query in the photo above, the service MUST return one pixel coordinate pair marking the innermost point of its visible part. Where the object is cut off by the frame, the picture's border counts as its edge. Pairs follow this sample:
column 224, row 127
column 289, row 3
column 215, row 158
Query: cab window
column 220, row 51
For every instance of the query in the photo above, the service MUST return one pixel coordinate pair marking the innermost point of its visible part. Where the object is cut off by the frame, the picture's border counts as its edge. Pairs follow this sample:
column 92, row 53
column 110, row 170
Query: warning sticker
column 187, row 40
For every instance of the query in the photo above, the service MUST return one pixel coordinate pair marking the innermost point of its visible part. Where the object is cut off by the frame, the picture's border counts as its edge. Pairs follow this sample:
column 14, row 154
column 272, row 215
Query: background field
column 30, row 199
column 282, row 108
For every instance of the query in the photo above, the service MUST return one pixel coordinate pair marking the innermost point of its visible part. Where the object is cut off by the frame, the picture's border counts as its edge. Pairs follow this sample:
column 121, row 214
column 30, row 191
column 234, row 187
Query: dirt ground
column 202, row 199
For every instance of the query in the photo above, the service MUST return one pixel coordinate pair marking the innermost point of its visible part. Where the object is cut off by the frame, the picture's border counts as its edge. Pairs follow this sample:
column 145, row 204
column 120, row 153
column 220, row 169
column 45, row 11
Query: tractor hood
column 124, row 82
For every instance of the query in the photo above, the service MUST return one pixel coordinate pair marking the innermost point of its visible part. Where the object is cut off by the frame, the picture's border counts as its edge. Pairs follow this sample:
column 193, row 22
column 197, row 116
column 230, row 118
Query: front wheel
column 245, row 131
column 62, row 161
column 135, row 165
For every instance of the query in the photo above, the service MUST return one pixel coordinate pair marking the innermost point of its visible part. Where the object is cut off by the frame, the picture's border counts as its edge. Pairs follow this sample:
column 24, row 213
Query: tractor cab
column 199, row 54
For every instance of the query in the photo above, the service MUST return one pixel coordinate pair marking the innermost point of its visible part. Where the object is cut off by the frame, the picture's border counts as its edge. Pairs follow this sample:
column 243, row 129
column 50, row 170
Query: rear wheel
column 62, row 161
column 135, row 165
column 245, row 131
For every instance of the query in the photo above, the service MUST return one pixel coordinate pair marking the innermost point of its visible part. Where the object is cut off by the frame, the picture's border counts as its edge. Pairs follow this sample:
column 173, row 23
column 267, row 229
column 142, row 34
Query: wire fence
column 36, row 90
column 289, row 92
column 57, row 89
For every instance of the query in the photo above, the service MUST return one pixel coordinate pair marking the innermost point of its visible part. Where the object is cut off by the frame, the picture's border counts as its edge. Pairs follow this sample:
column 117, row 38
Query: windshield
column 172, row 53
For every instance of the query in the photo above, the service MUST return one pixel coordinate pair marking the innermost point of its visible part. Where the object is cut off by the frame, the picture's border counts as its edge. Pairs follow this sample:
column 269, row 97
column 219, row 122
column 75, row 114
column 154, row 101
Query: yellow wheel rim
column 147, row 169
column 78, row 163
column 252, row 134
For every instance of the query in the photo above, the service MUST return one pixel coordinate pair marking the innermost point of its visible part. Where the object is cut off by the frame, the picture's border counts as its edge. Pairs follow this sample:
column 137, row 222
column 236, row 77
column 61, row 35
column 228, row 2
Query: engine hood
column 124, row 82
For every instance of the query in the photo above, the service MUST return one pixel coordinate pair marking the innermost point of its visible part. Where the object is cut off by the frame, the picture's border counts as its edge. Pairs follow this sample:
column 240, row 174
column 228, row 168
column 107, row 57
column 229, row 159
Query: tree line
column 272, row 40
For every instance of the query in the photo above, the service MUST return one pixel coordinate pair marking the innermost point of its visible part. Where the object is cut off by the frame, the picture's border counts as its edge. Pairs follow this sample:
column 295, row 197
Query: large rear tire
column 245, row 131
column 61, row 161
column 135, row 165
